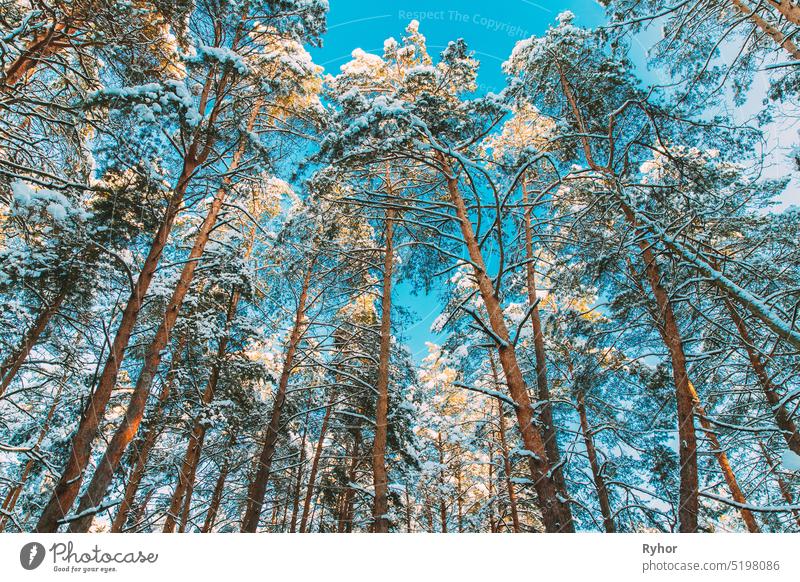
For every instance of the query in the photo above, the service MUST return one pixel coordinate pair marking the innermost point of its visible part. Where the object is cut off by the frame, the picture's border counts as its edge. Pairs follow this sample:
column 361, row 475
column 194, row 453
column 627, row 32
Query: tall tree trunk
column 69, row 484
column 556, row 513
column 346, row 522
column 490, row 487
column 442, row 504
column 549, row 432
column 788, row 10
column 512, row 494
column 133, row 416
column 181, row 497
column 216, row 496
column 312, row 477
column 299, row 480
column 597, row 474
column 138, row 510
column 13, row 495
column 408, row 510
column 724, row 465
column 782, row 418
column 380, row 508
column 14, row 361
column 258, row 487
column 688, row 505
column 148, row 442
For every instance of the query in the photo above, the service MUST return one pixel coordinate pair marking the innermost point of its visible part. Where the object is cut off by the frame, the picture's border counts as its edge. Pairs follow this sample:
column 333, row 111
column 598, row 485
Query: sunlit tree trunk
column 782, row 417
column 507, row 470
column 69, row 484
column 780, row 39
column 181, row 496
column 556, row 514
column 724, row 464
column 148, row 442
column 216, row 496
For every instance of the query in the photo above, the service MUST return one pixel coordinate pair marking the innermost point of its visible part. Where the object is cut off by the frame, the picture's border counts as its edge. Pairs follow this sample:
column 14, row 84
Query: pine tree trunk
column 688, row 504
column 299, row 480
column 12, row 364
column 136, row 407
column 549, row 432
column 216, row 496
column 512, row 495
column 408, row 510
column 138, row 510
column 135, row 479
column 69, row 484
column 724, row 464
column 182, row 495
column 346, row 522
column 490, row 487
column 788, row 10
column 782, row 417
column 556, row 514
column 312, row 477
column 258, row 487
column 597, row 475
column 44, row 45
column 148, row 442
column 380, row 509
column 442, row 504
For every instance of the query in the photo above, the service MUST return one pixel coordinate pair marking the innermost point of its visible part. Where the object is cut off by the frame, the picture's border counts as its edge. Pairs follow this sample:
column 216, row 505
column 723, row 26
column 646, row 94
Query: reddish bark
column 512, row 495
column 556, row 514
column 380, row 508
column 258, row 487
column 724, row 465
column 45, row 44
column 346, row 516
column 767, row 28
column 597, row 474
column 312, row 477
column 216, row 496
column 782, row 417
column 148, row 442
column 182, row 495
column 12, row 364
column 136, row 407
column 69, row 484
column 549, row 432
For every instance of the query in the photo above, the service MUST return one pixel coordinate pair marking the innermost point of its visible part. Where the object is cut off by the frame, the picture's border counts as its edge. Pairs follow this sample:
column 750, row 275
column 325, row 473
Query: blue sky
column 490, row 28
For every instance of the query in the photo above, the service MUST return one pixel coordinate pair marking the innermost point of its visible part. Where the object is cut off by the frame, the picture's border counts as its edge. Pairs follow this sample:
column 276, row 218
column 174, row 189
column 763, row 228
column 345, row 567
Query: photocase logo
column 31, row 555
